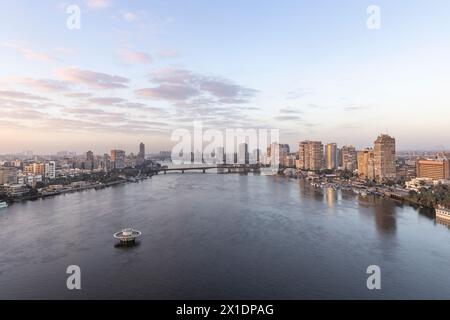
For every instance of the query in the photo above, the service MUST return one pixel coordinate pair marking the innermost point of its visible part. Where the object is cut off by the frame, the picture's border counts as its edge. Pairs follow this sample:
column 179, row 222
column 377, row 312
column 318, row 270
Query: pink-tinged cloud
column 106, row 101
column 168, row 54
column 20, row 95
column 98, row 4
column 92, row 79
column 135, row 57
column 181, row 84
column 27, row 52
column 172, row 92
column 46, row 85
column 78, row 94
column 130, row 16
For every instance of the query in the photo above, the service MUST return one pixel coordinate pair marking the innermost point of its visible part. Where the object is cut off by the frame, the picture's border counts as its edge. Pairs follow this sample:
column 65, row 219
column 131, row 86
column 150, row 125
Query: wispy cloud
column 135, row 57
column 46, row 85
column 92, row 79
column 290, row 111
column 98, row 4
column 129, row 16
column 182, row 85
column 170, row 92
column 106, row 101
column 28, row 53
column 21, row 95
column 298, row 93
column 168, row 54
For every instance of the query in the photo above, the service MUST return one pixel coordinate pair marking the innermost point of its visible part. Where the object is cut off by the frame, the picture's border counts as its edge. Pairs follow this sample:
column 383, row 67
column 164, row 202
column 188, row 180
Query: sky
column 137, row 70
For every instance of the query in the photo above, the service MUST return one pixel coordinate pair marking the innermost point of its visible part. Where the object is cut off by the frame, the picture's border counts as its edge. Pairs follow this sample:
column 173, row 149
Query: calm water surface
column 208, row 236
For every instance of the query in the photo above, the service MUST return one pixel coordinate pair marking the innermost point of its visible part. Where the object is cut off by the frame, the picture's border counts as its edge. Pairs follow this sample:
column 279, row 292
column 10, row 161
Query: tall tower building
column 349, row 157
column 141, row 154
column 366, row 164
column 280, row 150
column 89, row 164
column 118, row 159
column 50, row 170
column 243, row 155
column 90, row 156
column 331, row 156
column 142, row 150
column 310, row 155
column 384, row 153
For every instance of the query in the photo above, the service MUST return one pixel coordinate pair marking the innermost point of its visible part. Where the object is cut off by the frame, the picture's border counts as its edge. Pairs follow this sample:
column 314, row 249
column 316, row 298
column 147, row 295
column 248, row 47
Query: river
column 230, row 236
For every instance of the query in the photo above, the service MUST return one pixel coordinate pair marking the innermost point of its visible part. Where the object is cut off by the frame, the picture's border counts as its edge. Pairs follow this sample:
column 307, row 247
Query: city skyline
column 137, row 71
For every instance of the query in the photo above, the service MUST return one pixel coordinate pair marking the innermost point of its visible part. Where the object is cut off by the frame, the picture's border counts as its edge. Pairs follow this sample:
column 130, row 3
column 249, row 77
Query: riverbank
column 52, row 191
column 361, row 188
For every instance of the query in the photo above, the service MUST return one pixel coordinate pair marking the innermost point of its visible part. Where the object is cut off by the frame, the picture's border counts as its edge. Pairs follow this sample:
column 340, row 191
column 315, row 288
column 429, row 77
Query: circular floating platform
column 127, row 235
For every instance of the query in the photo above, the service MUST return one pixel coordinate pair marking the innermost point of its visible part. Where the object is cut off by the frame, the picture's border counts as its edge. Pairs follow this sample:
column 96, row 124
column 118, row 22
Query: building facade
column 366, row 164
column 436, row 169
column 331, row 156
column 349, row 158
column 118, row 159
column 8, row 175
column 384, row 153
column 310, row 155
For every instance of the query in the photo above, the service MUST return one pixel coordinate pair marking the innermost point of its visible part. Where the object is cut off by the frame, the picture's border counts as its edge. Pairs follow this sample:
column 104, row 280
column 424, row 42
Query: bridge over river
column 220, row 168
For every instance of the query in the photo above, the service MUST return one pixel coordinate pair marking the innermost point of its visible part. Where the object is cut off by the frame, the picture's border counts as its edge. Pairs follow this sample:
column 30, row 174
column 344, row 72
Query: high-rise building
column 118, row 159
column 384, row 152
column 50, row 170
column 349, row 157
column 331, row 156
column 366, row 164
column 141, row 154
column 310, row 155
column 436, row 169
column 282, row 150
column 105, row 162
column 8, row 175
column 90, row 156
column 34, row 168
column 243, row 155
column 89, row 163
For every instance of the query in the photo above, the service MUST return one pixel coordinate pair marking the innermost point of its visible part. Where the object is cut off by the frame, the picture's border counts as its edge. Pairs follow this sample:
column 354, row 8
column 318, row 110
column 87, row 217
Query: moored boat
column 3, row 205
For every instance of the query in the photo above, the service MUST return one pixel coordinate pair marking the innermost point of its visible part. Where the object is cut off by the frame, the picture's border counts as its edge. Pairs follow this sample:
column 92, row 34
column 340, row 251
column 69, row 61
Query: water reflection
column 331, row 197
column 385, row 215
column 222, row 237
column 127, row 245
column 443, row 222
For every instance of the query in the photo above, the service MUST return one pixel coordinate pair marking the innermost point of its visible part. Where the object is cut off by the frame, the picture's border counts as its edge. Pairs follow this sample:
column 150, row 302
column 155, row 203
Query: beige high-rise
column 384, row 152
column 366, row 164
column 331, row 156
column 349, row 160
column 310, row 154
column 433, row 168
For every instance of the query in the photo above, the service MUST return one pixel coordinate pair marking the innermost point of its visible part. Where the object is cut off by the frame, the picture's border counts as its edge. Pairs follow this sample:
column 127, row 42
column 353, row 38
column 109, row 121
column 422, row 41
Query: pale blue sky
column 311, row 68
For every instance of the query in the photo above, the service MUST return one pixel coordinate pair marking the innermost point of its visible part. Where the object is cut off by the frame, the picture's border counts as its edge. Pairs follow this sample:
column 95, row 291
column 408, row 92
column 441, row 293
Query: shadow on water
column 426, row 212
column 384, row 211
column 385, row 215
column 127, row 245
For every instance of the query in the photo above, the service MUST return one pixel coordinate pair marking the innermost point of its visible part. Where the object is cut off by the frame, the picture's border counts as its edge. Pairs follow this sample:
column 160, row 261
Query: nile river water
column 208, row 236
